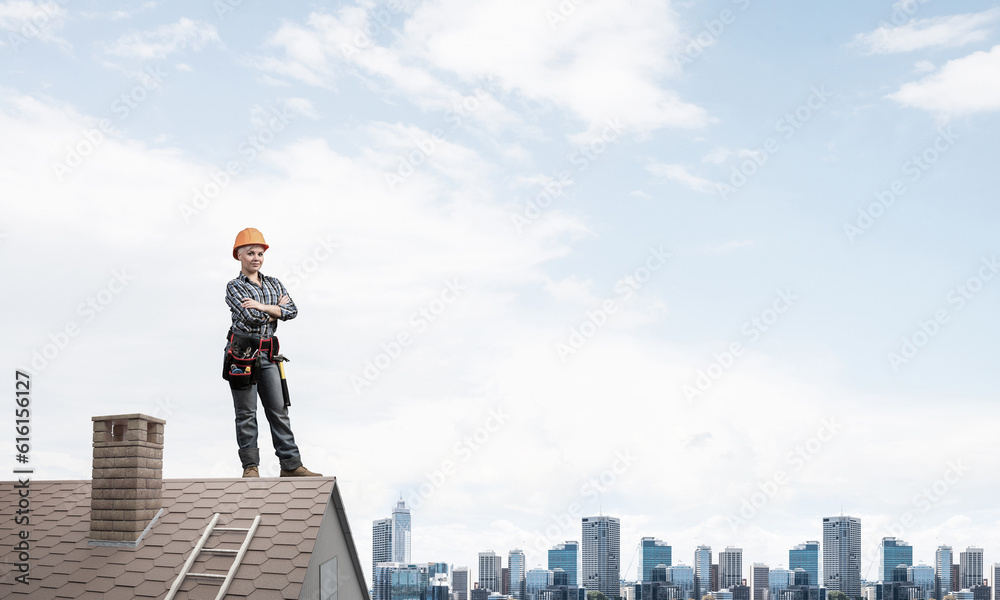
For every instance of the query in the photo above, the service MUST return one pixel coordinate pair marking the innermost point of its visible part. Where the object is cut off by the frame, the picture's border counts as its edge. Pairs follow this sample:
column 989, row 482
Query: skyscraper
column 970, row 567
column 538, row 579
column 778, row 580
column 760, row 580
column 842, row 554
column 702, row 571
column 401, row 533
column 654, row 552
column 806, row 557
column 893, row 553
column 730, row 567
column 943, row 560
column 922, row 576
column 460, row 582
column 381, row 544
column 566, row 557
column 996, row 582
column 515, row 563
column 489, row 571
column 682, row 576
column 601, row 554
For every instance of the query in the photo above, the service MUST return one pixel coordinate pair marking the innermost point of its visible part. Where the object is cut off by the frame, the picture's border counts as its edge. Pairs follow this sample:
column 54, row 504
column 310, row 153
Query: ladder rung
column 211, row 575
column 231, row 529
column 219, row 550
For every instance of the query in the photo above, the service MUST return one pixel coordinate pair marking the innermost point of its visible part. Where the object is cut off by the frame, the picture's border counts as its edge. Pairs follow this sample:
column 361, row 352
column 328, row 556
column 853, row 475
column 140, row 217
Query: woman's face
column 251, row 257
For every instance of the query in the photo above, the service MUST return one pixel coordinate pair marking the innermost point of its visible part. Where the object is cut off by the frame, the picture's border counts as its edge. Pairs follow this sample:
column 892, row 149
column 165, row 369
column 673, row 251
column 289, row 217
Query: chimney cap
column 129, row 416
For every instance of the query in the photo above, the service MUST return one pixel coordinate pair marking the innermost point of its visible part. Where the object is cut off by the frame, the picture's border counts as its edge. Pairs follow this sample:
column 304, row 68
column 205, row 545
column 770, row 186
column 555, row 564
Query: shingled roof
column 303, row 536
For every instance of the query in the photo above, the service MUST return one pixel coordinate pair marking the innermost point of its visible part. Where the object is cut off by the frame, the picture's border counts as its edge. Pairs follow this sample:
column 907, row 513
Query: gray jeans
column 268, row 386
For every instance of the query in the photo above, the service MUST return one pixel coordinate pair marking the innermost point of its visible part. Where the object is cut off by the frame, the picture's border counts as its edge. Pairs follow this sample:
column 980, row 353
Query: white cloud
column 965, row 85
column 27, row 20
column 717, row 156
column 681, row 175
column 600, row 63
column 948, row 32
column 165, row 40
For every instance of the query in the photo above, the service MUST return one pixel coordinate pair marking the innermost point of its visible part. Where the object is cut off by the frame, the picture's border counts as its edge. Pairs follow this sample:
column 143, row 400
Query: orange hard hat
column 249, row 237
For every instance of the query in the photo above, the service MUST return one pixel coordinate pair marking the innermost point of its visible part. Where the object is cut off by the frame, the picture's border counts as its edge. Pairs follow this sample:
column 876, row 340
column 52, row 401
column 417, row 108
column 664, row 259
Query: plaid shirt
column 254, row 322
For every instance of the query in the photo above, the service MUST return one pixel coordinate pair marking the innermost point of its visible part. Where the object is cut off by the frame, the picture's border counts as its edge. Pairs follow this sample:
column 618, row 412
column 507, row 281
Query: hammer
column 281, row 360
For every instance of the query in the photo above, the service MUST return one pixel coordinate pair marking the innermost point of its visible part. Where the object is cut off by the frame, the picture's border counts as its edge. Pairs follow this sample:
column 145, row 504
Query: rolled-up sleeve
column 288, row 311
column 235, row 294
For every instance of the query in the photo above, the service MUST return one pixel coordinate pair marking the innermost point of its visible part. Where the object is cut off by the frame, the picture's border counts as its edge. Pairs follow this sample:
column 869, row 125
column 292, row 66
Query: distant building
column 517, row 572
column 381, row 544
column 566, row 557
column 893, row 553
column 842, row 554
column 397, row 581
column 401, row 533
column 537, row 580
column 806, row 556
column 682, row 576
column 702, row 571
column 970, row 567
column 778, row 580
column 460, row 583
column 654, row 552
column 942, row 572
column 730, row 568
column 489, row 572
column 760, row 580
column 601, row 553
column 922, row 576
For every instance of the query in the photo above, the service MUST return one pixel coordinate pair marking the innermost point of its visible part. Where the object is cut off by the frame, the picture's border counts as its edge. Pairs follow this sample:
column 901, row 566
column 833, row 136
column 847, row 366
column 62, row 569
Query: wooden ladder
column 200, row 547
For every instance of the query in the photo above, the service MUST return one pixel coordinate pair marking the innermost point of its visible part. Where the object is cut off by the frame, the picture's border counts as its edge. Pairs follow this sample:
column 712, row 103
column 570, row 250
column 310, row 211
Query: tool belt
column 241, row 365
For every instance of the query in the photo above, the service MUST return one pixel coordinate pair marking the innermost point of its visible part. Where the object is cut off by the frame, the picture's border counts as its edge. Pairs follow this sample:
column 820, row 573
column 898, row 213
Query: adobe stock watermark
column 88, row 310
column 928, row 329
column 38, row 25
column 425, row 148
column 625, row 288
column 710, row 33
column 766, row 489
column 249, row 148
column 787, row 126
column 321, row 252
column 752, row 329
column 79, row 151
column 375, row 25
column 923, row 500
column 419, row 321
column 915, row 166
column 903, row 11
column 567, row 521
column 461, row 453
column 582, row 158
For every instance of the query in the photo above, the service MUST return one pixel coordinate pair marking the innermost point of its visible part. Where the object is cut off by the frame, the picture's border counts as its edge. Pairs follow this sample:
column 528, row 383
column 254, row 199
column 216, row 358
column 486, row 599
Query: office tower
column 970, row 567
column 996, row 581
column 760, row 580
column 956, row 581
column 893, row 553
column 806, row 557
column 842, row 554
column 778, row 580
column 942, row 572
column 922, row 576
column 401, row 533
column 682, row 576
column 517, row 570
column 460, row 582
column 702, row 571
column 381, row 544
column 730, row 567
column 715, row 578
column 654, row 552
column 559, row 577
column 397, row 581
column 537, row 580
column 565, row 557
column 489, row 571
column 505, row 581
column 601, row 551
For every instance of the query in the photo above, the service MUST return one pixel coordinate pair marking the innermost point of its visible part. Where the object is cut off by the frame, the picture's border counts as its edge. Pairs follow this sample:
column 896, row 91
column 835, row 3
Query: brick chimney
column 127, row 489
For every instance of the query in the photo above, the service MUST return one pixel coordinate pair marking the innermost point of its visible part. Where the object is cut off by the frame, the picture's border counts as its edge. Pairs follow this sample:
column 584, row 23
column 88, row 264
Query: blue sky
column 648, row 230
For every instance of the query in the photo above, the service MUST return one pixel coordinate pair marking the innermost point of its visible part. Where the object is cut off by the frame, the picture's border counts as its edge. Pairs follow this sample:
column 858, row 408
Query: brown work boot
column 251, row 472
column 300, row 472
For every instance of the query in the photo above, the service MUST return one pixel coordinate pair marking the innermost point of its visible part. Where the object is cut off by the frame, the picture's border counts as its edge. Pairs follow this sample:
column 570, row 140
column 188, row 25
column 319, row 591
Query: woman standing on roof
column 257, row 302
